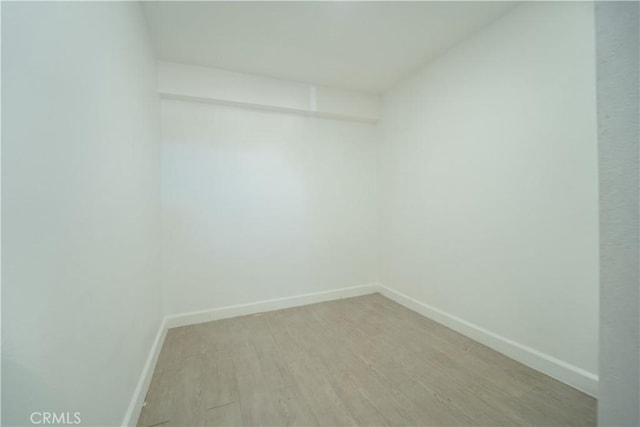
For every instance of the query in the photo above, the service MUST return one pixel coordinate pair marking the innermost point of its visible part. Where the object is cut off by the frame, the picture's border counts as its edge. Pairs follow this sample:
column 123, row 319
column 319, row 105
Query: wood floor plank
column 293, row 408
column 228, row 414
column 187, row 397
column 476, row 396
column 156, row 409
column 358, row 406
column 259, row 407
column 407, row 384
column 310, row 375
column 218, row 378
column 357, row 361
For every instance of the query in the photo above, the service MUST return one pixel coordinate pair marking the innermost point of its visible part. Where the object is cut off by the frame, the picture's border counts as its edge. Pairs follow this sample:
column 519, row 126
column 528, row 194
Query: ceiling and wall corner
column 364, row 46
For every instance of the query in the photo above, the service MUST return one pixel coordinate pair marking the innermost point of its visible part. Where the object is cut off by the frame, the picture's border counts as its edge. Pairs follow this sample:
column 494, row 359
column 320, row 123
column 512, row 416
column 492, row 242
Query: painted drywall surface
column 489, row 182
column 80, row 163
column 617, row 30
column 260, row 205
column 227, row 87
column 224, row 85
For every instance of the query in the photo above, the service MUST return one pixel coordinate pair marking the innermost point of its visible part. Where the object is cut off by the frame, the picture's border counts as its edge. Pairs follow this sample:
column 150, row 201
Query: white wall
column 618, row 50
column 260, row 205
column 80, row 163
column 213, row 85
column 489, row 184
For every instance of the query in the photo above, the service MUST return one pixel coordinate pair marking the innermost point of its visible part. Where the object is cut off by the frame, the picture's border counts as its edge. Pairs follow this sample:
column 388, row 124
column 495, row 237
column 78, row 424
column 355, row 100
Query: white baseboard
column 562, row 371
column 135, row 407
column 267, row 305
column 556, row 368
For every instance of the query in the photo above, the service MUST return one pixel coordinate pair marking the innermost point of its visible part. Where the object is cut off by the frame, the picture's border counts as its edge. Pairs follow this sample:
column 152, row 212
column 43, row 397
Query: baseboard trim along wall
column 173, row 321
column 549, row 365
column 135, row 407
column 558, row 369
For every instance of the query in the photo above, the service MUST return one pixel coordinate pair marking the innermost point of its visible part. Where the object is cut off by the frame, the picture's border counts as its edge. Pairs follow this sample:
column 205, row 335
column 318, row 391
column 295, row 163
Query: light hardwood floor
column 356, row 361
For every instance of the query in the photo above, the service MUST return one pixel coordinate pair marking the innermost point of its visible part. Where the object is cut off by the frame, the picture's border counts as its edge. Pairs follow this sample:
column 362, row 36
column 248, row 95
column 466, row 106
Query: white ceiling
column 365, row 46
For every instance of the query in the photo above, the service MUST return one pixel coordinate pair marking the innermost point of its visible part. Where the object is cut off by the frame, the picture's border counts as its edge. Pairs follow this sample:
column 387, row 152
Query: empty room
column 322, row 213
